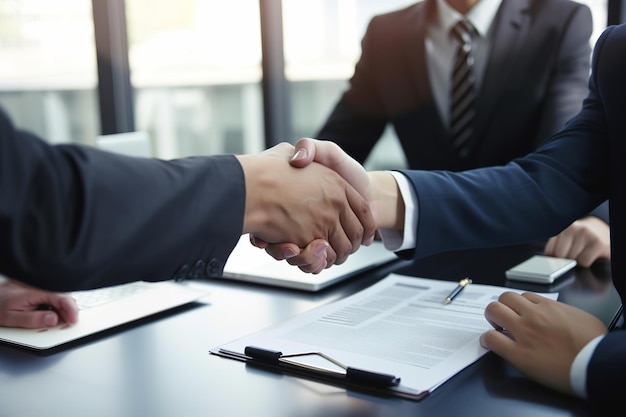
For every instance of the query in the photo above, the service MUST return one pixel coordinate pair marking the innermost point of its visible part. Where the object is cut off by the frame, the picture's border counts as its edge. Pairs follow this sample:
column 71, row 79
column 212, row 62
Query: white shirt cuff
column 395, row 240
column 578, row 371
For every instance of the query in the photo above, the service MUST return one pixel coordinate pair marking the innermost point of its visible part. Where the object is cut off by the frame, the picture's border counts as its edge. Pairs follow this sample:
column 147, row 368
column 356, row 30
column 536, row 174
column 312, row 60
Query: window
column 322, row 45
column 599, row 9
column 196, row 71
column 48, row 68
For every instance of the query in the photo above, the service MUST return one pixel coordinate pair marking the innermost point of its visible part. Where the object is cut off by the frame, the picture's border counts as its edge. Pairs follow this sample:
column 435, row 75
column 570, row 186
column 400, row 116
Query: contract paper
column 398, row 326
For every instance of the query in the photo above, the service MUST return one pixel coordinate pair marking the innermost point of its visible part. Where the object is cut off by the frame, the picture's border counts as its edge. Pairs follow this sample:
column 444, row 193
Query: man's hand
column 28, row 307
column 379, row 188
column 586, row 240
column 539, row 336
column 287, row 204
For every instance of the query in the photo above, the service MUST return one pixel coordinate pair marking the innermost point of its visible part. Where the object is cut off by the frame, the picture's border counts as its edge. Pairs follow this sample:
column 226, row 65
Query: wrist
column 387, row 203
column 254, row 214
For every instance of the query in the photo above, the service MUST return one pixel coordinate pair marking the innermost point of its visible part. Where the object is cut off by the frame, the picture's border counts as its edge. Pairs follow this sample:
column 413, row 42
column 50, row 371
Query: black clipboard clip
column 342, row 376
column 349, row 374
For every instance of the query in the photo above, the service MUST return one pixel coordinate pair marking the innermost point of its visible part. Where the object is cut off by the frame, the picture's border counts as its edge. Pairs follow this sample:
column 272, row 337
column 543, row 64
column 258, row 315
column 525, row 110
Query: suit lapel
column 421, row 16
column 510, row 28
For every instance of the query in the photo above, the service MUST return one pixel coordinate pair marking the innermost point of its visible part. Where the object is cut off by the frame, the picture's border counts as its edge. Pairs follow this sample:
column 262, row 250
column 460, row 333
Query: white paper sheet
column 398, row 326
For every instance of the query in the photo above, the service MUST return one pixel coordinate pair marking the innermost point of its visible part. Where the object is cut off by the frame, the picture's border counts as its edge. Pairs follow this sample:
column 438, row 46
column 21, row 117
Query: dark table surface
column 161, row 366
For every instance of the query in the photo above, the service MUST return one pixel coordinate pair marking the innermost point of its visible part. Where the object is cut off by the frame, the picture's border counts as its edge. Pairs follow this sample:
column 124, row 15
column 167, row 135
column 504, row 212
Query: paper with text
column 398, row 326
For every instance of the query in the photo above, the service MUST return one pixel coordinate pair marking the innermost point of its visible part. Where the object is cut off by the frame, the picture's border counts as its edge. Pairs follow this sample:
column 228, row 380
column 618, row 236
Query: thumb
column 329, row 154
column 304, row 153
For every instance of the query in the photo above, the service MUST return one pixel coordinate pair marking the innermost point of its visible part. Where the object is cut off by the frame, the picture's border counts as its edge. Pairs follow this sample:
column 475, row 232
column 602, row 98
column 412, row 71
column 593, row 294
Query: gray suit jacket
column 535, row 80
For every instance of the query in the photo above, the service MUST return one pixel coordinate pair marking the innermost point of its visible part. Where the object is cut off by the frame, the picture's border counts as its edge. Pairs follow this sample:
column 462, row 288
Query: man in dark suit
column 426, row 212
column 74, row 217
column 531, row 64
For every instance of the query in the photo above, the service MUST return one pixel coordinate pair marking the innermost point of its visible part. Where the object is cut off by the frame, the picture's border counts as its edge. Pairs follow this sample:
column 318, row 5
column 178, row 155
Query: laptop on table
column 105, row 308
column 250, row 264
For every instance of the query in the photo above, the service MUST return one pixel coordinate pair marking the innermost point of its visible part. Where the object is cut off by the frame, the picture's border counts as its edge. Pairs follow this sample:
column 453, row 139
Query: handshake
column 314, row 205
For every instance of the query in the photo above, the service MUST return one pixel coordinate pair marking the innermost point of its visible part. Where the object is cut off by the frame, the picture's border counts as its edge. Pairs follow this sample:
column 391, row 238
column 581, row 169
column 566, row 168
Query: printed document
column 398, row 326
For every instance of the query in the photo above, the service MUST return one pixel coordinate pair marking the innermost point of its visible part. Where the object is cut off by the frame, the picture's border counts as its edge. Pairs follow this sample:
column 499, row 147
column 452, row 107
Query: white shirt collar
column 481, row 15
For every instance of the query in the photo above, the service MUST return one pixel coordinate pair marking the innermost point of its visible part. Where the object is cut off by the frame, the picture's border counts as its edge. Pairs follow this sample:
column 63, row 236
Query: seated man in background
column 530, row 66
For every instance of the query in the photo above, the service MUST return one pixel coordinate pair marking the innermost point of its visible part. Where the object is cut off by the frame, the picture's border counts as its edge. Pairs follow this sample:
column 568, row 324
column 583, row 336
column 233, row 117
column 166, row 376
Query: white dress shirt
column 441, row 49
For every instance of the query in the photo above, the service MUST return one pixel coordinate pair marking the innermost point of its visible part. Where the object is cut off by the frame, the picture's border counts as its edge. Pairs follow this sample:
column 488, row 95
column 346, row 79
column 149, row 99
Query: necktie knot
column 462, row 32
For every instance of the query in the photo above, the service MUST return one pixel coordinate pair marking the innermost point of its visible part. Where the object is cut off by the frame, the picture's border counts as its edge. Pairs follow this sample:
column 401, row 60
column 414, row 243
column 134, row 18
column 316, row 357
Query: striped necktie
column 463, row 93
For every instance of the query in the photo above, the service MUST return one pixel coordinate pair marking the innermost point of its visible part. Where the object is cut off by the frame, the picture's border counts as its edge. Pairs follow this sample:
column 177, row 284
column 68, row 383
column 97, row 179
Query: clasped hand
column 326, row 208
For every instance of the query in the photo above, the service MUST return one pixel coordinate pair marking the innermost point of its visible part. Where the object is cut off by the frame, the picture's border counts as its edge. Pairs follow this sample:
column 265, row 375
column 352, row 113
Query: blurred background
column 199, row 76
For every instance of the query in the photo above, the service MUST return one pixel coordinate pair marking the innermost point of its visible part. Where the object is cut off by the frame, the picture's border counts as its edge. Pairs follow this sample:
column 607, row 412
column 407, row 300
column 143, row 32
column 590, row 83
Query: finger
column 498, row 342
column 519, row 302
column 582, row 249
column 258, row 242
column 347, row 236
column 66, row 308
column 318, row 252
column 588, row 256
column 366, row 230
column 535, row 298
column 550, row 245
column 63, row 305
column 339, row 239
column 584, row 255
column 315, row 267
column 562, row 244
column 280, row 251
column 35, row 319
column 504, row 313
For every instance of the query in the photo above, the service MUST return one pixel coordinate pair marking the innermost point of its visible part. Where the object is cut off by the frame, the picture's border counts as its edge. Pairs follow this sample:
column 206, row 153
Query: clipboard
column 362, row 380
column 398, row 338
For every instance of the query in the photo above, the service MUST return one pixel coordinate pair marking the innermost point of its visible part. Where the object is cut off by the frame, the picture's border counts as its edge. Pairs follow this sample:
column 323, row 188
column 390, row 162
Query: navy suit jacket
column 537, row 195
column 74, row 217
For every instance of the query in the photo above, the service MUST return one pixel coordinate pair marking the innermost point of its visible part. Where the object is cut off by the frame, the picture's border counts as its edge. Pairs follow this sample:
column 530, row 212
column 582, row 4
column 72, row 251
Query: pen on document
column 462, row 284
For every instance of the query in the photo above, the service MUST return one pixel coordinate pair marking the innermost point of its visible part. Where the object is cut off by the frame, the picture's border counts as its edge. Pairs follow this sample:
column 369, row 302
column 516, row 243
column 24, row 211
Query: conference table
column 161, row 366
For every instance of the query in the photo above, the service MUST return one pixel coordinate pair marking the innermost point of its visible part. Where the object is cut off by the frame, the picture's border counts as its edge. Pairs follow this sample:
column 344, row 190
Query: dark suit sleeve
column 73, row 217
column 567, row 89
column 605, row 372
